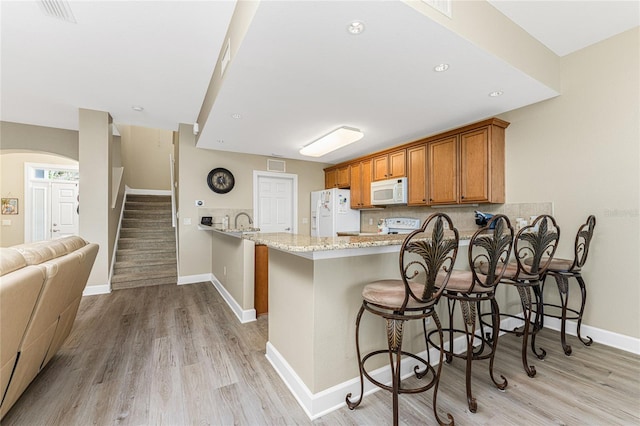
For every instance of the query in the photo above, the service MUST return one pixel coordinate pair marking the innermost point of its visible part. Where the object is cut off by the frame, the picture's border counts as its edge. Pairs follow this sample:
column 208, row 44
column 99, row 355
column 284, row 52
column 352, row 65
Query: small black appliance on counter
column 483, row 218
column 206, row 220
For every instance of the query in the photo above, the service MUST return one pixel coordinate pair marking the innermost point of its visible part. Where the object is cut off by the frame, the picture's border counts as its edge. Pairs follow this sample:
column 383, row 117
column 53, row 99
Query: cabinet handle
column 430, row 199
column 424, row 199
column 462, row 197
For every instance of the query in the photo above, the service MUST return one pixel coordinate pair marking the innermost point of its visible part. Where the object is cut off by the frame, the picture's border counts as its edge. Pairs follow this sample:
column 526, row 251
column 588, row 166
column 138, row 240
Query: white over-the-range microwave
column 388, row 192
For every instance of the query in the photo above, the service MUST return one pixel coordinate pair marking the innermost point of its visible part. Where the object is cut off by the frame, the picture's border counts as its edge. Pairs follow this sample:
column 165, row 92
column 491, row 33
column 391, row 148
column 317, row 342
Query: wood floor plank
column 177, row 355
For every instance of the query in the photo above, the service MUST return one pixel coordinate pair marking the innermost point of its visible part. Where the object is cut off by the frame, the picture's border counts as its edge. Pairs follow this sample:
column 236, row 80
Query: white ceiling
column 297, row 75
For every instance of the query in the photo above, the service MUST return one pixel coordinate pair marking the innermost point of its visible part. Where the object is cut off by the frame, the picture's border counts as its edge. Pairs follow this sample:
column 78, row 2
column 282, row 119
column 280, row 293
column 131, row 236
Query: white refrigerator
column 331, row 213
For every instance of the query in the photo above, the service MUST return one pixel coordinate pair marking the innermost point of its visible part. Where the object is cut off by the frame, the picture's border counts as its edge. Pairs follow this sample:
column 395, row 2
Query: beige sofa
column 41, row 287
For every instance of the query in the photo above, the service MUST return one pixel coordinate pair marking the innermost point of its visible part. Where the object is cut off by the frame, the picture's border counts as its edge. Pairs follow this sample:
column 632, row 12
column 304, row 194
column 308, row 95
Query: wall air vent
column 59, row 9
column 442, row 6
column 276, row 166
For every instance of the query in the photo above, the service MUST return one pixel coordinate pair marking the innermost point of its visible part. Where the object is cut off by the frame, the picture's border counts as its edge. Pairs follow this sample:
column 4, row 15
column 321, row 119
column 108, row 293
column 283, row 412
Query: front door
column 64, row 209
column 274, row 202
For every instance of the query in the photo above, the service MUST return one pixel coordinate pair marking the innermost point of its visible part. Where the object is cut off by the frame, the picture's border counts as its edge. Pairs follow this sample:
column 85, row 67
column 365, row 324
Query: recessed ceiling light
column 355, row 27
column 496, row 93
column 236, row 116
column 137, row 108
column 441, row 67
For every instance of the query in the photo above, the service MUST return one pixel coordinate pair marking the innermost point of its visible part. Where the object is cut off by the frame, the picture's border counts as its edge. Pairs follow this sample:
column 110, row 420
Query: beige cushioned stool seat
column 391, row 293
column 461, row 280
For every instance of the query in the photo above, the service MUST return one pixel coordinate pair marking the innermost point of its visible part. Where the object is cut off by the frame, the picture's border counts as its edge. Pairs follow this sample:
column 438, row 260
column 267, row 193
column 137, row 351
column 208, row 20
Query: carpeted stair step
column 146, row 251
column 142, row 280
column 135, row 255
column 147, row 233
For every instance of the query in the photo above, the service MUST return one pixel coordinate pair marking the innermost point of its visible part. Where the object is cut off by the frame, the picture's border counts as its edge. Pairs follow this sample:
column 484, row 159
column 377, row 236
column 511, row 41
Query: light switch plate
column 186, row 221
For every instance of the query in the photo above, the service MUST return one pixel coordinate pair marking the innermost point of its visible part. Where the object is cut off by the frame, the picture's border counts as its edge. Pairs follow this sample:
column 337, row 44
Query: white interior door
column 64, row 209
column 275, row 202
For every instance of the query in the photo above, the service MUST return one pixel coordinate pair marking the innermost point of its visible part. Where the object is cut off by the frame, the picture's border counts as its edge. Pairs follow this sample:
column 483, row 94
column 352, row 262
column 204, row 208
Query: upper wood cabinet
column 443, row 171
column 464, row 165
column 337, row 177
column 391, row 165
column 417, row 175
column 361, row 184
column 468, row 167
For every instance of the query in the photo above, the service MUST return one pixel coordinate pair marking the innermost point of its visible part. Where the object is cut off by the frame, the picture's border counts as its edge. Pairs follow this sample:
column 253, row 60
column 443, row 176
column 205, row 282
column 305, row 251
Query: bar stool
column 562, row 270
column 426, row 260
column 534, row 248
column 489, row 249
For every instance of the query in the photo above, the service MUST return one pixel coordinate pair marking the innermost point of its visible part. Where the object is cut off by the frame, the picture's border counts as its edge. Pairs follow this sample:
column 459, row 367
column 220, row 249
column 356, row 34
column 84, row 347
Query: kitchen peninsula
column 315, row 287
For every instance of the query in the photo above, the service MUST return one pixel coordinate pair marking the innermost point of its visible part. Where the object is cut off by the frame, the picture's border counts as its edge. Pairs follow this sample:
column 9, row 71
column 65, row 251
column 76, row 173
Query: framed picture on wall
column 9, row 206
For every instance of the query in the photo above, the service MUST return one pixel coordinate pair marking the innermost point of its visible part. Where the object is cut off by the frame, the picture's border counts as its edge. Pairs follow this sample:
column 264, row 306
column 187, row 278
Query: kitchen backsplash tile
column 462, row 217
column 219, row 214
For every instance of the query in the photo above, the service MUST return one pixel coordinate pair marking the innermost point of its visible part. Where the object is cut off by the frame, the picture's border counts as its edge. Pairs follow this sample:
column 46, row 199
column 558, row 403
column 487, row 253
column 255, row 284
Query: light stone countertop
column 305, row 243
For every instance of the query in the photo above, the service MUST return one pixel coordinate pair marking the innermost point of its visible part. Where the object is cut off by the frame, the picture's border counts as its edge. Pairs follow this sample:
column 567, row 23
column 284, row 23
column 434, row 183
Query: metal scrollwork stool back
column 562, row 270
column 489, row 251
column 426, row 260
column 534, row 248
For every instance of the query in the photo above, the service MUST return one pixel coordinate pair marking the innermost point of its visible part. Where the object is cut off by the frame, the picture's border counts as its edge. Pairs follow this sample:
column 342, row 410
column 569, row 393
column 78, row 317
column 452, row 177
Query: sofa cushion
column 10, row 260
column 73, row 243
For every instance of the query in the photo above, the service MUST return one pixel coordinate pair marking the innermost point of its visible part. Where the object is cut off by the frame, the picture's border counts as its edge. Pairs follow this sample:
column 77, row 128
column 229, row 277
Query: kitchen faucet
column 235, row 221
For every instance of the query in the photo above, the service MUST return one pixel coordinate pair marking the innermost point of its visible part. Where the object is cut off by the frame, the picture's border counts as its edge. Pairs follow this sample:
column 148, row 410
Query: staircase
column 146, row 252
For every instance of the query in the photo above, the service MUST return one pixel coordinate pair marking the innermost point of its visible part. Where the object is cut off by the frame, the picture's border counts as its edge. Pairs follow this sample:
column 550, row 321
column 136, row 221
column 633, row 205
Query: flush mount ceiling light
column 137, row 108
column 496, row 93
column 338, row 138
column 441, row 67
column 355, row 27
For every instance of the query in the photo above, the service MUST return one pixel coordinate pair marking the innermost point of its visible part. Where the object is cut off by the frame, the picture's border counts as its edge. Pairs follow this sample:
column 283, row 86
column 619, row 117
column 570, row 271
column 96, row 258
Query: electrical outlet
column 370, row 221
column 186, row 221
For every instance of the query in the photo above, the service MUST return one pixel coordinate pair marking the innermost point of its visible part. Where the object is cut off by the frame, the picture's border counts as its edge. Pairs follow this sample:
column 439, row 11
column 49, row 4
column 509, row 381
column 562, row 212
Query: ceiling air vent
column 442, row 6
column 59, row 9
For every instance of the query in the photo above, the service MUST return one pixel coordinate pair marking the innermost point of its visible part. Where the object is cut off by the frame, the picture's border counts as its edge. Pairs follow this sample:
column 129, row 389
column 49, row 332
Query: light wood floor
column 176, row 355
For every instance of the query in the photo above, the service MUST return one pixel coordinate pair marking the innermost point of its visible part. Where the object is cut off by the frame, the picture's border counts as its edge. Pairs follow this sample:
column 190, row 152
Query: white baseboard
column 321, row 403
column 93, row 290
column 147, row 191
column 192, row 279
column 331, row 399
column 608, row 338
column 244, row 315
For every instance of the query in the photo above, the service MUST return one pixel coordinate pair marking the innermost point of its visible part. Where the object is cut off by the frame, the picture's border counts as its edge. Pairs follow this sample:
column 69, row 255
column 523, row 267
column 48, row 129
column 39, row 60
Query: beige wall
column 98, row 219
column 581, row 152
column 37, row 138
column 194, row 166
column 145, row 157
column 12, row 186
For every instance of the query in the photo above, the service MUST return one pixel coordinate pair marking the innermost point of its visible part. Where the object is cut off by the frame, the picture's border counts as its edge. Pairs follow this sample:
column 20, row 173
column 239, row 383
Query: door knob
column 287, row 229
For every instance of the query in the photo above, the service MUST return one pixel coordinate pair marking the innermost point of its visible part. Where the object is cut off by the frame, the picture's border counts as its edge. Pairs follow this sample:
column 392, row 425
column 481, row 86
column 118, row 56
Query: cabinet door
column 380, row 167
column 365, row 175
column 330, row 178
column 397, row 164
column 361, row 185
column 356, row 186
column 417, row 175
column 443, row 171
column 343, row 179
column 474, row 166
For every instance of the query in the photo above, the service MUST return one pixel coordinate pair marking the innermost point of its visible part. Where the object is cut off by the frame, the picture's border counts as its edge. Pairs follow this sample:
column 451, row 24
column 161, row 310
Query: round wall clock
column 220, row 180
